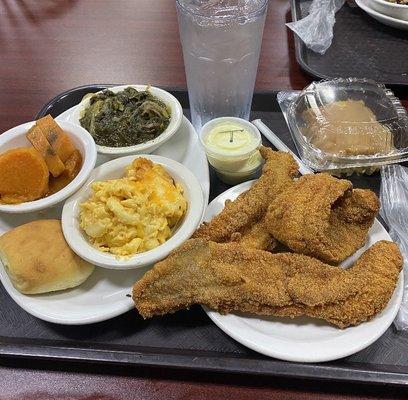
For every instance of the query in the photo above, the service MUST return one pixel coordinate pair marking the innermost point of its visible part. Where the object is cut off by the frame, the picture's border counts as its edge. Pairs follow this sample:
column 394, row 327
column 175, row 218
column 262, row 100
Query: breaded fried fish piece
column 227, row 277
column 256, row 236
column 323, row 217
column 240, row 215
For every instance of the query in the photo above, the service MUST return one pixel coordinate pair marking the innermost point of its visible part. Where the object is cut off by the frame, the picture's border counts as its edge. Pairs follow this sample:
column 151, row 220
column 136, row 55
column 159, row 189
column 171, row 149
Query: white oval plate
column 304, row 339
column 103, row 295
column 385, row 19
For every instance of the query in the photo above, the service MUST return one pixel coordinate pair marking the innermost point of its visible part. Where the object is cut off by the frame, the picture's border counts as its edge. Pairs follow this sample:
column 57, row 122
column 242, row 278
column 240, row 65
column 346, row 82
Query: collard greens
column 126, row 118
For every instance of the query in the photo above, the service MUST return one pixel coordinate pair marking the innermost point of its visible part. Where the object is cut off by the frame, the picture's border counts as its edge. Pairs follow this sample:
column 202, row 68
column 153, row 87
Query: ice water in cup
column 221, row 42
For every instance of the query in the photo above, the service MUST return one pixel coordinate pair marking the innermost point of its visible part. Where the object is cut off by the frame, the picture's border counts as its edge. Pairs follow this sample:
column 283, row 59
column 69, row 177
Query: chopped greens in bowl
column 126, row 118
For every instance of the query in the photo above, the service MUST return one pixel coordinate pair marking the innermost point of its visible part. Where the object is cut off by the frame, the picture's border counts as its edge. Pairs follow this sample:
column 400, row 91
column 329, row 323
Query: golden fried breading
column 227, row 277
column 321, row 216
column 239, row 215
column 374, row 277
column 256, row 236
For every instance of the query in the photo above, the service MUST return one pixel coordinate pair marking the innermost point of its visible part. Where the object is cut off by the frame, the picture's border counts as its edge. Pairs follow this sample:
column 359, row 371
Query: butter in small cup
column 231, row 145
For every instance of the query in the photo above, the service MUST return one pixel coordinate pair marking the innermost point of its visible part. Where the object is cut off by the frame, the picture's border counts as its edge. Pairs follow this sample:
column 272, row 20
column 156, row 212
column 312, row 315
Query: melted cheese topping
column 135, row 213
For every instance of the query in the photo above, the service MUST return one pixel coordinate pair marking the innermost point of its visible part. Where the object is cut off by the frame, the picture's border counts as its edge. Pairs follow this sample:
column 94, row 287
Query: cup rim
column 250, row 15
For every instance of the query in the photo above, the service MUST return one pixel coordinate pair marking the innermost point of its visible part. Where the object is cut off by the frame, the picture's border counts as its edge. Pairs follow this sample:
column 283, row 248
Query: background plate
column 385, row 19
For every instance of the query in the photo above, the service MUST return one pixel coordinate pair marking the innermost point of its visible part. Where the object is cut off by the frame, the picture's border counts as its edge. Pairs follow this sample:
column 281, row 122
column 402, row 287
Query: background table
column 49, row 46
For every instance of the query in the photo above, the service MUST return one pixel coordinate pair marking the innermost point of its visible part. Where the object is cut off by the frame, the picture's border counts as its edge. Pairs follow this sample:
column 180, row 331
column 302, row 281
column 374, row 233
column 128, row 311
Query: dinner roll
column 38, row 260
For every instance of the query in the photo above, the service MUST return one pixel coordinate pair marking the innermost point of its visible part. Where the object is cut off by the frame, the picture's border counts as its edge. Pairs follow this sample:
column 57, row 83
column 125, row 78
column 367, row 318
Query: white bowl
column 398, row 11
column 79, row 242
column 82, row 140
column 151, row 145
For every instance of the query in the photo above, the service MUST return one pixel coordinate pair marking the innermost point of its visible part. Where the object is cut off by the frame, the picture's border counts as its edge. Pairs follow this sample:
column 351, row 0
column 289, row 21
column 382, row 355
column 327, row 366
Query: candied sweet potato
column 24, row 176
column 41, row 144
column 72, row 167
column 73, row 164
column 57, row 138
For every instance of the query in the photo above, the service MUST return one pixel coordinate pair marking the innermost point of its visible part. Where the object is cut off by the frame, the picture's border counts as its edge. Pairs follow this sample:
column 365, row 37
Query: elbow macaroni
column 133, row 214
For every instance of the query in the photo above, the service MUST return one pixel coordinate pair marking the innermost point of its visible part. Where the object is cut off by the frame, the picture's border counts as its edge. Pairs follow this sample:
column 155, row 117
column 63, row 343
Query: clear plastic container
column 347, row 124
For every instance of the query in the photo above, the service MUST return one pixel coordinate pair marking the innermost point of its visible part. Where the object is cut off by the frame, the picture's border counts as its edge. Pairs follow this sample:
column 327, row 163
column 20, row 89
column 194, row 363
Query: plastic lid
column 230, row 137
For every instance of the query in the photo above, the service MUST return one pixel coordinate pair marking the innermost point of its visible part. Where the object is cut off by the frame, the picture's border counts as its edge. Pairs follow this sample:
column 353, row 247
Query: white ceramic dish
column 386, row 20
column 103, row 295
column 144, row 148
column 393, row 10
column 304, row 339
column 115, row 169
column 83, row 141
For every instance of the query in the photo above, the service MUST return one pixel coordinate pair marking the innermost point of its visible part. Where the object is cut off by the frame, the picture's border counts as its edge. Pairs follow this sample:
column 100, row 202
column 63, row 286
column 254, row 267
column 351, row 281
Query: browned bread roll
column 38, row 259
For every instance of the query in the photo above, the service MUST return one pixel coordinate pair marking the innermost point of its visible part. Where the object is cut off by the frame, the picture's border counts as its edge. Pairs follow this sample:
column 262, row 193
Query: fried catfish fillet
column 227, row 277
column 323, row 217
column 256, row 236
column 239, row 216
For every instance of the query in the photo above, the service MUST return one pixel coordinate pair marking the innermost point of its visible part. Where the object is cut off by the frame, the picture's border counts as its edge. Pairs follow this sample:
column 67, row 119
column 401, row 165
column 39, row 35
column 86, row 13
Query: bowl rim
column 391, row 5
column 165, row 96
column 88, row 164
column 78, row 242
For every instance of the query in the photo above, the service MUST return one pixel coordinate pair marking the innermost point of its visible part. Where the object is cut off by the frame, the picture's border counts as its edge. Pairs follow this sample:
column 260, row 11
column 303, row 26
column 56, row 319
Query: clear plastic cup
column 221, row 42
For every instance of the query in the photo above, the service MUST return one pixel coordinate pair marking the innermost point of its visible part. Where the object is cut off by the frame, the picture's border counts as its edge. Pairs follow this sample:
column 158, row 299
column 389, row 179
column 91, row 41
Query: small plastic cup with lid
column 231, row 145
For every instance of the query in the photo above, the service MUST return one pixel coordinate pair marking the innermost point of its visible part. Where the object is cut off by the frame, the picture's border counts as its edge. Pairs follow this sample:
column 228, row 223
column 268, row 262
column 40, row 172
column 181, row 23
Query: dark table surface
column 49, row 46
